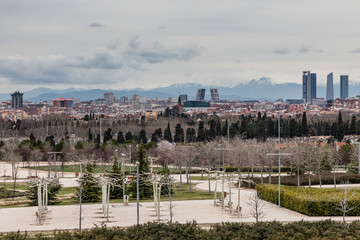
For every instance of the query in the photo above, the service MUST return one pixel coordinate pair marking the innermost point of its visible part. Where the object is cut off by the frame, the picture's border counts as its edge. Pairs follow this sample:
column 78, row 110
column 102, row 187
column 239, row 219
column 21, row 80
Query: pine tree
column 167, row 134
column 142, row 137
column 90, row 186
column 179, row 133
column 120, row 137
column 340, row 128
column 201, row 136
column 304, row 126
column 292, row 128
column 145, row 186
column 115, row 176
column 53, row 189
column 190, row 135
column 128, row 136
column 212, row 131
column 352, row 129
column 107, row 135
column 218, row 128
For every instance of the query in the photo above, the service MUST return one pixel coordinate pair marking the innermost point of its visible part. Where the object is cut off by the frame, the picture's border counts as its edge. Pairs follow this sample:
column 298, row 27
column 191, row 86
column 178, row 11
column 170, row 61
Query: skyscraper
column 306, row 86
column 214, row 94
column 313, row 86
column 330, row 87
column 17, row 100
column 344, row 86
column 109, row 97
column 200, row 96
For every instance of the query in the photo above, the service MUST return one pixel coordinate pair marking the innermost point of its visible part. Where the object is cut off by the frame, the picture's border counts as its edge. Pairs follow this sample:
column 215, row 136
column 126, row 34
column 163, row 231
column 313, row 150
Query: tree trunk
column 298, row 176
column 309, row 178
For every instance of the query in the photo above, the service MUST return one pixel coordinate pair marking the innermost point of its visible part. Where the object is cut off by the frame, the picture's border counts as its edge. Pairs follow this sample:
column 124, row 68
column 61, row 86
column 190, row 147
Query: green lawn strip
column 310, row 201
column 67, row 194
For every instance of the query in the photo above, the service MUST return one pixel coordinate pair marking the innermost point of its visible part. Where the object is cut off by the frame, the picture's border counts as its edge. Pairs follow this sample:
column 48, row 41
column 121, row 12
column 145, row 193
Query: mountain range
column 261, row 89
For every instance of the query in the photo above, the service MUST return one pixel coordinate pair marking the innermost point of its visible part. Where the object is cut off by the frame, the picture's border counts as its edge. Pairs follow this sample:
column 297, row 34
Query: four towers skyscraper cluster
column 309, row 86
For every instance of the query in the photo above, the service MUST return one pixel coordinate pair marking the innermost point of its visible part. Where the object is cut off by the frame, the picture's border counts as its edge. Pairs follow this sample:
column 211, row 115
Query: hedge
column 321, row 230
column 327, row 178
column 309, row 201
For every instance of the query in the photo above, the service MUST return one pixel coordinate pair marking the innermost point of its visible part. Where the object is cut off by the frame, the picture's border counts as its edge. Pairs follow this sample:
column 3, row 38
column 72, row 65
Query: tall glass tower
column 344, row 86
column 330, row 87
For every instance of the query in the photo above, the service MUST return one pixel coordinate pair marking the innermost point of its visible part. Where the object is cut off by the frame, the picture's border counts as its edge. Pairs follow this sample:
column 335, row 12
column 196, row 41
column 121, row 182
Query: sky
column 112, row 44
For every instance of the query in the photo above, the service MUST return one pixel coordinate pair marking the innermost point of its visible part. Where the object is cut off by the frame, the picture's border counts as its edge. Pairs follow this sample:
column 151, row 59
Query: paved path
column 202, row 211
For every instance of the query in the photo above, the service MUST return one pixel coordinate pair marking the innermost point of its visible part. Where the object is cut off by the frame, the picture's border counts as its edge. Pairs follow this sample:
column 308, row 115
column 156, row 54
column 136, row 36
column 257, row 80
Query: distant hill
column 260, row 89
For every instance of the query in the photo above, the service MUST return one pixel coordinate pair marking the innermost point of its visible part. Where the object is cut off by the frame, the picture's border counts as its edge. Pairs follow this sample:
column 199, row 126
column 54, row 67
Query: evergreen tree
column 340, row 128
column 218, row 128
column 115, row 176
column 352, row 129
column 145, row 186
column 167, row 134
column 90, row 187
column 179, row 133
column 261, row 129
column 120, row 137
column 224, row 130
column 32, row 140
column 90, row 136
column 190, row 135
column 53, row 189
column 142, row 137
column 159, row 133
column 304, row 126
column 107, row 135
column 292, row 128
column 128, row 136
column 212, row 132
column 201, row 136
column 154, row 137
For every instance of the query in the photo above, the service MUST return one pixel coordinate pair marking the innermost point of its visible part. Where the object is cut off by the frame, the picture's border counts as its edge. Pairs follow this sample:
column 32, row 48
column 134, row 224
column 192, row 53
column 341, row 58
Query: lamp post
column 137, row 192
column 123, row 170
column 358, row 143
column 279, row 155
column 130, row 158
column 55, row 167
column 116, row 152
column 223, row 153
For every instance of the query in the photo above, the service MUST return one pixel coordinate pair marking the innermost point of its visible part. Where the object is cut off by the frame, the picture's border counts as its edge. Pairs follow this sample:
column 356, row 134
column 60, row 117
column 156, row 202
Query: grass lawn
column 67, row 194
column 97, row 169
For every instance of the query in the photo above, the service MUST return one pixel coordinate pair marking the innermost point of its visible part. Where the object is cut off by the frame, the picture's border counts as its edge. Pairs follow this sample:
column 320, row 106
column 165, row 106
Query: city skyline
column 97, row 45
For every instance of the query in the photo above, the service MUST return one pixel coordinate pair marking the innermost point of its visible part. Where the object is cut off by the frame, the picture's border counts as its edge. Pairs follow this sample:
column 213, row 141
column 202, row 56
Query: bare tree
column 344, row 201
column 256, row 206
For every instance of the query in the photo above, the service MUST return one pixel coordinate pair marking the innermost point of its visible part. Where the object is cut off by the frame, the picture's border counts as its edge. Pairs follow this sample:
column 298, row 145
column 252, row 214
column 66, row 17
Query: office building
column 17, row 100
column 344, row 86
column 183, row 98
column 62, row 102
column 313, row 85
column 330, row 87
column 196, row 104
column 214, row 94
column 309, row 86
column 109, row 97
column 306, row 84
column 200, row 96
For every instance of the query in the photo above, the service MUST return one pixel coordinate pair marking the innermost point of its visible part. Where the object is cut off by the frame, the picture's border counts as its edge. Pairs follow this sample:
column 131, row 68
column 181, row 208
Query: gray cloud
column 355, row 51
column 134, row 56
column 97, row 25
column 282, row 51
column 306, row 49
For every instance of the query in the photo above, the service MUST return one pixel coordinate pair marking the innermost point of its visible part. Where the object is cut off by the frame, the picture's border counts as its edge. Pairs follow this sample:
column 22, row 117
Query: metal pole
column 123, row 170
column 130, row 159
column 228, row 126
column 116, row 151
column 279, row 154
column 137, row 191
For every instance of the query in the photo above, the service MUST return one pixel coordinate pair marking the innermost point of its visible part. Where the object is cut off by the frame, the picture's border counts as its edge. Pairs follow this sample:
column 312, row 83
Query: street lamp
column 123, row 170
column 137, row 192
column 279, row 155
column 55, row 167
column 116, row 152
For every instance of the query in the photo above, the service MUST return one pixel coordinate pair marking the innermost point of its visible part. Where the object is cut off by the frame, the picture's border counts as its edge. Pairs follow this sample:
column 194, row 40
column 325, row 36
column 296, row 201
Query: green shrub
column 304, row 181
column 308, row 201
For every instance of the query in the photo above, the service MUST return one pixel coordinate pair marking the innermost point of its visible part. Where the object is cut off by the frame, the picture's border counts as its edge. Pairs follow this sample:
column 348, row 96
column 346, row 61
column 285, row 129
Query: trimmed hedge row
column 309, row 201
column 327, row 178
column 321, row 230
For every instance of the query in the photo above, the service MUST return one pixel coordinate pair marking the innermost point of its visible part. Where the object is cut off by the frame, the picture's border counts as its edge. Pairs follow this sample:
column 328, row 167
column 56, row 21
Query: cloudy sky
column 150, row 43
